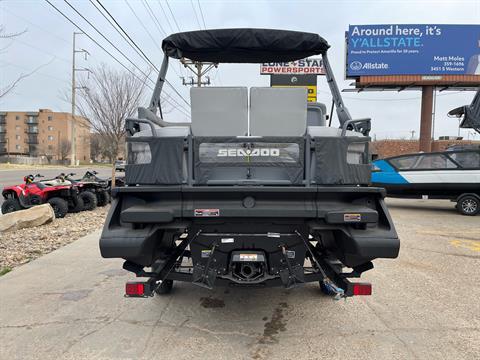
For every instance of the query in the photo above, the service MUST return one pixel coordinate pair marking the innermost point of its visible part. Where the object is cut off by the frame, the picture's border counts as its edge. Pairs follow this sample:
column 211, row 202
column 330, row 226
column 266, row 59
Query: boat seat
column 278, row 111
column 219, row 111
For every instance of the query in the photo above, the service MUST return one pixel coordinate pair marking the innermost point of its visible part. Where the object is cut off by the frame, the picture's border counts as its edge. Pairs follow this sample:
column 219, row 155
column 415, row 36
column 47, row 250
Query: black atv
column 96, row 192
column 93, row 176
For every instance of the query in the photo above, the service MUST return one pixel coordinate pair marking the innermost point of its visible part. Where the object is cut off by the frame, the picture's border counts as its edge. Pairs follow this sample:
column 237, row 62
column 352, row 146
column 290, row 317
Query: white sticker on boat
column 274, row 235
column 228, row 240
column 248, row 257
column 206, row 212
column 352, row 217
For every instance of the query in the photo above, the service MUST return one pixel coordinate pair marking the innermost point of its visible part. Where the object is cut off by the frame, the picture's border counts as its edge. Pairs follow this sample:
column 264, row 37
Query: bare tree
column 106, row 101
column 4, row 35
column 4, row 90
column 49, row 151
column 64, row 149
column 95, row 146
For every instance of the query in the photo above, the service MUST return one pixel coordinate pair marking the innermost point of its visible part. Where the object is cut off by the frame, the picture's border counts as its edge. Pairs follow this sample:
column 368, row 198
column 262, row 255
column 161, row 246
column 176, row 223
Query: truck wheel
column 165, row 287
column 59, row 205
column 10, row 205
column 468, row 205
column 103, row 198
column 89, row 200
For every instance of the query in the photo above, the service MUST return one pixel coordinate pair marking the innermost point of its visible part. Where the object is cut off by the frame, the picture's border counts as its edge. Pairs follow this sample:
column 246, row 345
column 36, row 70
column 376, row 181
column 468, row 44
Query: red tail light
column 134, row 289
column 362, row 289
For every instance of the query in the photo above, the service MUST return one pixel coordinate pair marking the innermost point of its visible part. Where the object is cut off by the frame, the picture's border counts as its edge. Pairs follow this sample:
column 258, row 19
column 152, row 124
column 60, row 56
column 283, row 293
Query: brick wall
column 387, row 148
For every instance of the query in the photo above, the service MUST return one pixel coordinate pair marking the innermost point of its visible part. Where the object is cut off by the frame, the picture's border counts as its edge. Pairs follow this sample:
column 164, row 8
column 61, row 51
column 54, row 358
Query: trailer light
column 362, row 289
column 135, row 289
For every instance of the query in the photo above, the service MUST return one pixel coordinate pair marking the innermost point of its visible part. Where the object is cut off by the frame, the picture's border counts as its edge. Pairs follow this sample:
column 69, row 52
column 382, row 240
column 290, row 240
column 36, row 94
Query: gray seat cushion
column 219, row 111
column 278, row 111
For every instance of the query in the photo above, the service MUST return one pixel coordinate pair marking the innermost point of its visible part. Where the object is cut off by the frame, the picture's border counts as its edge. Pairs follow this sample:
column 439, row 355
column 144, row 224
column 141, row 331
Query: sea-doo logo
column 356, row 65
column 248, row 152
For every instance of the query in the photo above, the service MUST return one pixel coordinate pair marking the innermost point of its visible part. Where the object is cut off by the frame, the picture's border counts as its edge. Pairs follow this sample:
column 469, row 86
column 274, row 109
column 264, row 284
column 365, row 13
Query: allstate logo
column 356, row 65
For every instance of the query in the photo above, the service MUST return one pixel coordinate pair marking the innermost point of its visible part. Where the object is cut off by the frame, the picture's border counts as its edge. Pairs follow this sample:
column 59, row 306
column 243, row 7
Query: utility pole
column 197, row 68
column 74, row 88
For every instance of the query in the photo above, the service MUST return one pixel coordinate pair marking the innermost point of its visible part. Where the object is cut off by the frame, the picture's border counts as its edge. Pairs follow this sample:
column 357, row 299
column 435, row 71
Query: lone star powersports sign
column 309, row 66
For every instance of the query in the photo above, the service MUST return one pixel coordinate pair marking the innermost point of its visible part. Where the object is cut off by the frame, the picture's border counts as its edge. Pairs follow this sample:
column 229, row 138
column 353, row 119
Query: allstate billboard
column 413, row 50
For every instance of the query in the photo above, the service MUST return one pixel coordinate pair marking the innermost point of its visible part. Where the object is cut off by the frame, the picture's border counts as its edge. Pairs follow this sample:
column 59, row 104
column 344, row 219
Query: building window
column 17, row 117
column 17, row 147
column 50, row 147
column 17, row 137
column 50, row 138
column 17, row 127
column 50, row 118
column 50, row 128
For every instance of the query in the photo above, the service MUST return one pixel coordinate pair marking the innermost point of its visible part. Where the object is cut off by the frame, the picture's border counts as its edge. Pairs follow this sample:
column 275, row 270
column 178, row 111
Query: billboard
column 413, row 50
column 308, row 66
column 307, row 81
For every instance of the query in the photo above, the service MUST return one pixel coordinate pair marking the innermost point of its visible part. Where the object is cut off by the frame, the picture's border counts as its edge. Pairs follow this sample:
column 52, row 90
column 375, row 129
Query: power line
column 115, row 47
column 135, row 47
column 139, row 49
column 165, row 14
column 180, row 67
column 160, row 28
column 98, row 44
column 148, row 32
column 201, row 13
column 196, row 16
column 36, row 25
column 123, row 33
column 112, row 44
column 143, row 25
column 8, row 63
column 153, row 17
column 173, row 16
column 103, row 48
column 42, row 50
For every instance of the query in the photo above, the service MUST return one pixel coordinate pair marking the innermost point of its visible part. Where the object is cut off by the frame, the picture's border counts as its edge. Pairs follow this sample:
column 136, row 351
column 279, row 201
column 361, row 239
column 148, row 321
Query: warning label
column 206, row 212
column 352, row 217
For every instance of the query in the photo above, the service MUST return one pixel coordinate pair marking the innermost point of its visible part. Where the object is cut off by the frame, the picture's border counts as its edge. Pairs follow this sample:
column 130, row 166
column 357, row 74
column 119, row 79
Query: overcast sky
column 48, row 44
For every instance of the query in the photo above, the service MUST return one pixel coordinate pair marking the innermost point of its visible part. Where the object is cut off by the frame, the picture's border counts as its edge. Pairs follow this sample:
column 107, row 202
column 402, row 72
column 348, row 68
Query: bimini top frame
column 244, row 46
column 470, row 114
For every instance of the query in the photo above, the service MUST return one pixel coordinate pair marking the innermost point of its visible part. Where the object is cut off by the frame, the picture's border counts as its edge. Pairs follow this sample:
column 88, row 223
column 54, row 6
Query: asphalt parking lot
column 425, row 305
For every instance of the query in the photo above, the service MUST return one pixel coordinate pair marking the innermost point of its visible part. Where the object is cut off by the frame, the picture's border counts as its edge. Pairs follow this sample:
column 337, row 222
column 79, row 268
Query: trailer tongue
column 247, row 194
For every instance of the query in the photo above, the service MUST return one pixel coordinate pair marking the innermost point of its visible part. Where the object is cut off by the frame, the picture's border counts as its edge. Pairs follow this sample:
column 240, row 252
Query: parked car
column 120, row 165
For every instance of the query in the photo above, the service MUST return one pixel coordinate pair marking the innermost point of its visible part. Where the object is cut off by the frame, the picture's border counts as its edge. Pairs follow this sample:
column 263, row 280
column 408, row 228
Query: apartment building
column 43, row 133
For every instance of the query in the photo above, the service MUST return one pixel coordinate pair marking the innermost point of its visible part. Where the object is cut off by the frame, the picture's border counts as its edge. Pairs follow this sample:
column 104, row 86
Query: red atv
column 62, row 198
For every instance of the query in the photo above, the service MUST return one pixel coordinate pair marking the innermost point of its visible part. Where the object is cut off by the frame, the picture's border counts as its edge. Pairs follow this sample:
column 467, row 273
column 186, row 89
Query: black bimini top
column 470, row 113
column 244, row 45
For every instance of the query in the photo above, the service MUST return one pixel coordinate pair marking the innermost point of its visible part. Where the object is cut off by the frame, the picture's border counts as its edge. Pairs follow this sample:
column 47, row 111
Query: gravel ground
column 21, row 246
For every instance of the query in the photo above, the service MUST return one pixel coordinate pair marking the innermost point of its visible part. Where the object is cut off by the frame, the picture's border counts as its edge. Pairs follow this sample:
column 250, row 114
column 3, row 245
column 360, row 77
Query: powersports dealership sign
column 309, row 66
